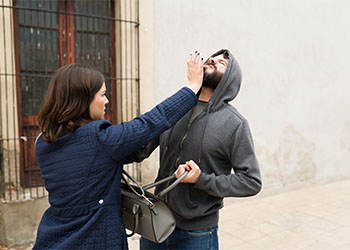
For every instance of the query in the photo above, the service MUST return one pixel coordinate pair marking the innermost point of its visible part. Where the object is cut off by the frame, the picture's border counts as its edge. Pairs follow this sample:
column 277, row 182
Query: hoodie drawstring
column 203, row 132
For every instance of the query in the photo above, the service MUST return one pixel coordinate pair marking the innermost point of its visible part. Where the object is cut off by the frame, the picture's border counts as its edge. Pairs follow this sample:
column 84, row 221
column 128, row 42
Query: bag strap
column 151, row 185
column 136, row 213
column 163, row 192
column 171, row 186
column 142, row 191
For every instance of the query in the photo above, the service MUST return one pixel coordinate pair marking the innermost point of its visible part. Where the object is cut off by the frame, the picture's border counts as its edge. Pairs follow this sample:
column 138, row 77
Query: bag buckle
column 150, row 203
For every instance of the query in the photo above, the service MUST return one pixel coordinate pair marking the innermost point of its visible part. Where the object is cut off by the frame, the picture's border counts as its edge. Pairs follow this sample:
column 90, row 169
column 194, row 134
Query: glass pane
column 92, row 34
column 37, row 13
column 33, row 89
column 38, row 48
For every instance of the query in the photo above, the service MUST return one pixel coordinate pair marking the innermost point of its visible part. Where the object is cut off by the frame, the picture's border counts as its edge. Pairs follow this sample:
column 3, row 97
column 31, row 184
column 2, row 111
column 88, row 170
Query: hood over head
column 229, row 84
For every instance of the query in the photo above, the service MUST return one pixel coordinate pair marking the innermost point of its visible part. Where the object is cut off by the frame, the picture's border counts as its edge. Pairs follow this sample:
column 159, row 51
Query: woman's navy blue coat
column 82, row 173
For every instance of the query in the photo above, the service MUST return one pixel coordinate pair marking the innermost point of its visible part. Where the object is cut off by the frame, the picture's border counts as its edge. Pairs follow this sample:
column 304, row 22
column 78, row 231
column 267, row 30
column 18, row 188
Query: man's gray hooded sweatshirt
column 219, row 141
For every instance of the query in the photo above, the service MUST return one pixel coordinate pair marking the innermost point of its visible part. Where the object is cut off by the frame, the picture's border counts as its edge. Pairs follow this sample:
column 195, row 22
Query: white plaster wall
column 296, row 75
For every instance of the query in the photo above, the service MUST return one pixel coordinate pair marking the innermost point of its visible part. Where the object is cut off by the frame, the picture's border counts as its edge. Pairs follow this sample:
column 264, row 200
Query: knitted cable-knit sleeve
column 123, row 139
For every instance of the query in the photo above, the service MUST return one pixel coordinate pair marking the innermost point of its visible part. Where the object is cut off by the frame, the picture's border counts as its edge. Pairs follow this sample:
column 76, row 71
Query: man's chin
column 208, row 70
column 209, row 86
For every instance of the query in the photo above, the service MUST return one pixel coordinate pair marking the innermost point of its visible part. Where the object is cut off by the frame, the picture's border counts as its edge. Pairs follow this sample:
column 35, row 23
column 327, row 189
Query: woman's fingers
column 195, row 71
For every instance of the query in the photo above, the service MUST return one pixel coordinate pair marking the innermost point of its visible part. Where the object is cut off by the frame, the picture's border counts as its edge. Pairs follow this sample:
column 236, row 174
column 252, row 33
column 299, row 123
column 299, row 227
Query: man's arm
column 142, row 153
column 246, row 179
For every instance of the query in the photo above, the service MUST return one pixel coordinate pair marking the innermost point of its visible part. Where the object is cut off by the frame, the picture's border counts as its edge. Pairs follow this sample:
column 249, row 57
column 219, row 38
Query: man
column 214, row 142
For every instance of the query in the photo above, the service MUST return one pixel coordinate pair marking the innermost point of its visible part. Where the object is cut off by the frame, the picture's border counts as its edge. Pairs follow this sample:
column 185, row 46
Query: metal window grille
column 36, row 38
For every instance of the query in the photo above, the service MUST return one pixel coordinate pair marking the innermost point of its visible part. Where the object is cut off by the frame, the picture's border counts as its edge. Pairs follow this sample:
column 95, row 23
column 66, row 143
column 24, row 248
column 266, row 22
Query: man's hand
column 194, row 172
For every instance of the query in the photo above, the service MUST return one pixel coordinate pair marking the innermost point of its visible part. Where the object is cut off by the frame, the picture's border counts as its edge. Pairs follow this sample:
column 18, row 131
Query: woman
column 81, row 156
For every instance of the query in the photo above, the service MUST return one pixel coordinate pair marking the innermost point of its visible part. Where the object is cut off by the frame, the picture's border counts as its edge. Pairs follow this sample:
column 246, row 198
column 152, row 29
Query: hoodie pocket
column 190, row 203
column 180, row 201
column 207, row 203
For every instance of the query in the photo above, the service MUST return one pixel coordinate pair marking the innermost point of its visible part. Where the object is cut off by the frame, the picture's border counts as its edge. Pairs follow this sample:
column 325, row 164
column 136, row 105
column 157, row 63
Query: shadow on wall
column 290, row 163
column 294, row 157
column 19, row 221
column 345, row 138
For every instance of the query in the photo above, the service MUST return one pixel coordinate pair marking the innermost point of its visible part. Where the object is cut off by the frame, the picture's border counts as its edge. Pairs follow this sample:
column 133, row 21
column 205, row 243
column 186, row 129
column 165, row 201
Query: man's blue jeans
column 180, row 239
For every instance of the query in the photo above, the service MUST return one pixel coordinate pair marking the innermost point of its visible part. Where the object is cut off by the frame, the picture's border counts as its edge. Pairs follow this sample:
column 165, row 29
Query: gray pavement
column 316, row 217
column 309, row 218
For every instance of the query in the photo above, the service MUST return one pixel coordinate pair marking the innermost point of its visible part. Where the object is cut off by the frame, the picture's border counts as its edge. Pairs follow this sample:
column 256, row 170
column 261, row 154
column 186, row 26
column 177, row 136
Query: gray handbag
column 144, row 213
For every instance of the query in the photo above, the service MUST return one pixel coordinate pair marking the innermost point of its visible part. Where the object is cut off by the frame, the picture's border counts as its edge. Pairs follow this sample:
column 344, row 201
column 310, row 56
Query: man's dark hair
column 225, row 54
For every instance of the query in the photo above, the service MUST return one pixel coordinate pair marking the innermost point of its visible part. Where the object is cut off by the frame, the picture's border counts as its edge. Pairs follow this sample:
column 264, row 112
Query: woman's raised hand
column 195, row 72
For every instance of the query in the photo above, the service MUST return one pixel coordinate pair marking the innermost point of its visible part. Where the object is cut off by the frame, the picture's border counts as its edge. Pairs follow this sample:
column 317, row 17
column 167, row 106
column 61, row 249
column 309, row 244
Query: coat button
column 100, row 201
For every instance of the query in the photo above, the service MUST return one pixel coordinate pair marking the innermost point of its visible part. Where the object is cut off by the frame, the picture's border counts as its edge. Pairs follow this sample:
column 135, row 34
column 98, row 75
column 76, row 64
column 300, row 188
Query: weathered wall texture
column 19, row 221
column 294, row 57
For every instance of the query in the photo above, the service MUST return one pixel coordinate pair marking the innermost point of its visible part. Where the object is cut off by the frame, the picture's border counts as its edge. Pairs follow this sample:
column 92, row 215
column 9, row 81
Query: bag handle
column 163, row 192
column 151, row 185
column 142, row 195
column 135, row 182
column 136, row 214
column 172, row 185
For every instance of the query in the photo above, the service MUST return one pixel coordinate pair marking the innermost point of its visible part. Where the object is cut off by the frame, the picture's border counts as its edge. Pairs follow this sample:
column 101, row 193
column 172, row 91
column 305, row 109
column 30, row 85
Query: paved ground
column 309, row 218
column 314, row 218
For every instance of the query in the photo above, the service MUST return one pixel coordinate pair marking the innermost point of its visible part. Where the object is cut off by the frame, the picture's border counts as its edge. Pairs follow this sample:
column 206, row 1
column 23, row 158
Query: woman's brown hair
column 66, row 103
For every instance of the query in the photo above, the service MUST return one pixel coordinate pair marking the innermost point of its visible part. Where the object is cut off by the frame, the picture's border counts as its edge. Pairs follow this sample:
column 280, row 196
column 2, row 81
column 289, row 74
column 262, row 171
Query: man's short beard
column 211, row 80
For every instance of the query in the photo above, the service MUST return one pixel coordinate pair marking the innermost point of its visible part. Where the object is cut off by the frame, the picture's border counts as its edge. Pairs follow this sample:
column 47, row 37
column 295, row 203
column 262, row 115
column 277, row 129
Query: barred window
column 42, row 36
